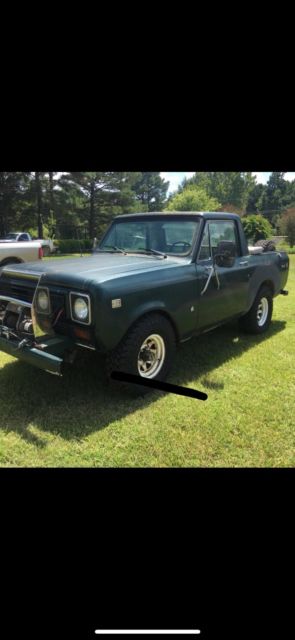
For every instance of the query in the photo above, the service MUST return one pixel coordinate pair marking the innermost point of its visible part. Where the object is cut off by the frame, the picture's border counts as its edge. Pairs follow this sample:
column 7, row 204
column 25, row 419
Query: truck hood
column 96, row 268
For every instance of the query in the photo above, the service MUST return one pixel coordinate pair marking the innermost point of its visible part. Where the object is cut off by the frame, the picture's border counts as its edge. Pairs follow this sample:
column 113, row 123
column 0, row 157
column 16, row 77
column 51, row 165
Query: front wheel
column 146, row 351
column 258, row 319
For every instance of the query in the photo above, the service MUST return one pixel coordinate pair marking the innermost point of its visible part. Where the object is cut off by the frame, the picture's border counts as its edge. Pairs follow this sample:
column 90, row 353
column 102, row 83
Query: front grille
column 19, row 289
column 22, row 289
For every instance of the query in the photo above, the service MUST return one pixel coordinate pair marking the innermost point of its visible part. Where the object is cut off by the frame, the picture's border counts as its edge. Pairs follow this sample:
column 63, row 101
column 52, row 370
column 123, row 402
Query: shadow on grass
column 82, row 402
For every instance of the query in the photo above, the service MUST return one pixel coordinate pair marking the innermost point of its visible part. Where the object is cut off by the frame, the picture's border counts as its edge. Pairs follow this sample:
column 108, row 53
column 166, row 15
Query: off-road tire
column 249, row 322
column 125, row 357
column 267, row 245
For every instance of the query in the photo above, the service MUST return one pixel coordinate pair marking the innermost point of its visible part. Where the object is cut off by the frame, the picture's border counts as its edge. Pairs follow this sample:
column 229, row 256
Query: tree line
column 58, row 204
column 72, row 204
column 236, row 191
column 266, row 209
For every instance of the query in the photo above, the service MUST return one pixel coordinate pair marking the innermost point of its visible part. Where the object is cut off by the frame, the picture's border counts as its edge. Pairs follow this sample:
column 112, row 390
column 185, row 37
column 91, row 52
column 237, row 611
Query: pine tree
column 151, row 191
column 275, row 197
column 102, row 195
column 12, row 189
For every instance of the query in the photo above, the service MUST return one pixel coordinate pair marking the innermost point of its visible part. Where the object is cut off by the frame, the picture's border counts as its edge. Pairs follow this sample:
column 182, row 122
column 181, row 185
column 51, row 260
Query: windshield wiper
column 111, row 249
column 152, row 251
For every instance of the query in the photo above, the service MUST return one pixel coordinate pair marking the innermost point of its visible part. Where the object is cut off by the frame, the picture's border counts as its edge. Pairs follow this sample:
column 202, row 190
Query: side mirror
column 225, row 254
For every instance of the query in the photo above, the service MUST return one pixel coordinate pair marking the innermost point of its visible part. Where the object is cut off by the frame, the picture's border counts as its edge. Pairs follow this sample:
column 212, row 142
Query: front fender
column 112, row 329
column 170, row 291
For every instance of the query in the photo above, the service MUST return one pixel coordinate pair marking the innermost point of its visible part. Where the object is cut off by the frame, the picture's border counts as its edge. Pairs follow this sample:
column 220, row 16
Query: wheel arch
column 267, row 283
column 156, row 311
column 254, row 291
column 11, row 260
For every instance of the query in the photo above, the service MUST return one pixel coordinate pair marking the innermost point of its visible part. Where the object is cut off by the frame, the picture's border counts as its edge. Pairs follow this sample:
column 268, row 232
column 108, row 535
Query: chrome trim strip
column 38, row 331
column 30, row 275
column 16, row 301
column 54, row 373
column 77, row 294
column 86, row 346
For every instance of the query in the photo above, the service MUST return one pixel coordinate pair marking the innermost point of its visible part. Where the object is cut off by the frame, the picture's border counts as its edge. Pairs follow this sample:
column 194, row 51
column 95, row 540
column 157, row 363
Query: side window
column 23, row 237
column 220, row 231
column 205, row 253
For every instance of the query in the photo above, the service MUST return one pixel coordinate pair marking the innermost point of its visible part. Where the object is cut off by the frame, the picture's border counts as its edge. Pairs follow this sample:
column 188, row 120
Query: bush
column 193, row 198
column 287, row 225
column 256, row 227
column 33, row 231
column 73, row 245
column 230, row 208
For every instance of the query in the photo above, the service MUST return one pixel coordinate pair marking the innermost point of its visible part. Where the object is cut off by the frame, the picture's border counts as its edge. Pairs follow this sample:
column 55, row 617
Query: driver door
column 226, row 294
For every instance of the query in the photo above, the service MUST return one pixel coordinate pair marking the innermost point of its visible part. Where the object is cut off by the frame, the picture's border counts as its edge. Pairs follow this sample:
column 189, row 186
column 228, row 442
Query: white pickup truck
column 22, row 236
column 16, row 252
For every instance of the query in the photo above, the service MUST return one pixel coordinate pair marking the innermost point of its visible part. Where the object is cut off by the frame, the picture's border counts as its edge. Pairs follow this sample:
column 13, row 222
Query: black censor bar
column 157, row 384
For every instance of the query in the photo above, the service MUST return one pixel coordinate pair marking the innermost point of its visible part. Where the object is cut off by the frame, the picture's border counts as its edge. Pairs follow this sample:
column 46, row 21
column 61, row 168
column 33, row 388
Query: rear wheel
column 258, row 319
column 146, row 351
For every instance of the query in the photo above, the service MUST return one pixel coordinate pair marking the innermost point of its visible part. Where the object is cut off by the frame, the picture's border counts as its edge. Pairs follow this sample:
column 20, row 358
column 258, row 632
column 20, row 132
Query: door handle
column 243, row 262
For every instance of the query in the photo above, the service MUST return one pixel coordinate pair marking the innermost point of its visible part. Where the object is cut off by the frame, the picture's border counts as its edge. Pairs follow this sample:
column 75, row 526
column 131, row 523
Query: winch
column 16, row 321
column 26, row 326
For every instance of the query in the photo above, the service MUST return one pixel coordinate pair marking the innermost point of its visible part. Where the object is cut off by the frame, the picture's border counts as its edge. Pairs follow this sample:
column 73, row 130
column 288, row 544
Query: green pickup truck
column 155, row 280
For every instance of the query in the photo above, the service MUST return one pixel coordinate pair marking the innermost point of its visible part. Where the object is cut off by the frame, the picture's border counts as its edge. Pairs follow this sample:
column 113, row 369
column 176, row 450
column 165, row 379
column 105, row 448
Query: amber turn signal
column 83, row 334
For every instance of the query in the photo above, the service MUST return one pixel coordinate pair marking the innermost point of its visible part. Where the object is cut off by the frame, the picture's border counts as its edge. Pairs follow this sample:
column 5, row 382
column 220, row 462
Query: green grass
column 68, row 255
column 284, row 246
column 248, row 419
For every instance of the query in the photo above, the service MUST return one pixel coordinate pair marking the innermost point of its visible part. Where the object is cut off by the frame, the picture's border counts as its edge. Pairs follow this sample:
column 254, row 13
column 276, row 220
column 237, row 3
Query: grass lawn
column 248, row 419
column 64, row 256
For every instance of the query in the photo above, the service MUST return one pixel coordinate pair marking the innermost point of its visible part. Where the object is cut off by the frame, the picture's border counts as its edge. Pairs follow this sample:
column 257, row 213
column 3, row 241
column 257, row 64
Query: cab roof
column 207, row 215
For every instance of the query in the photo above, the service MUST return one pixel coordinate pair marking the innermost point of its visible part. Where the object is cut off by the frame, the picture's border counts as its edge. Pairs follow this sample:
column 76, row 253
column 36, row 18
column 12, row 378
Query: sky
column 176, row 177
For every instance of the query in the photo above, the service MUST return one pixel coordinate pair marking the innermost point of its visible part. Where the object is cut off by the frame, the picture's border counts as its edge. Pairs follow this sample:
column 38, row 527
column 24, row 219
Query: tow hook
column 284, row 292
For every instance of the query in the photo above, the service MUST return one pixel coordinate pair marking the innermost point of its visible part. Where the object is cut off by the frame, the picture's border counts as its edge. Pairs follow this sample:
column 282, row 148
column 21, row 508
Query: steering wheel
column 183, row 242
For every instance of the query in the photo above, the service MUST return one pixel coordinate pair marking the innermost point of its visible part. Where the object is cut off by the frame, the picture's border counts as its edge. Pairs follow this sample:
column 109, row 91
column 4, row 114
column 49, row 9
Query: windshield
column 11, row 236
column 175, row 237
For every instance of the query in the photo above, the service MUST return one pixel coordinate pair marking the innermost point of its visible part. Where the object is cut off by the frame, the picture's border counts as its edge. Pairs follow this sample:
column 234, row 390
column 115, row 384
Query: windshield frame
column 150, row 218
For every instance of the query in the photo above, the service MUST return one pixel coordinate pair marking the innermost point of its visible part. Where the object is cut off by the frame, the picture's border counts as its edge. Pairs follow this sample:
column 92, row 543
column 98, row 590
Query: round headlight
column 43, row 300
column 81, row 308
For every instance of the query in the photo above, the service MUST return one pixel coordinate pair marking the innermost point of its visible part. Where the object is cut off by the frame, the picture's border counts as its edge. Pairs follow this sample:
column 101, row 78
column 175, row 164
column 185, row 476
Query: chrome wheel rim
column 262, row 312
column 151, row 356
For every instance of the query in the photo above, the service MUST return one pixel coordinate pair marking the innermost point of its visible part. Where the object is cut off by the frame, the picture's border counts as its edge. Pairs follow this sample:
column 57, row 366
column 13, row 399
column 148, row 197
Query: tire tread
column 123, row 357
column 248, row 322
